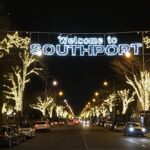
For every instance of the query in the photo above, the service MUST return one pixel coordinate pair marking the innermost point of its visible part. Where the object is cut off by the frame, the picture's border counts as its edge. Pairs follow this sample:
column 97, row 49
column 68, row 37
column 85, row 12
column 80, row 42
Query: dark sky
column 79, row 77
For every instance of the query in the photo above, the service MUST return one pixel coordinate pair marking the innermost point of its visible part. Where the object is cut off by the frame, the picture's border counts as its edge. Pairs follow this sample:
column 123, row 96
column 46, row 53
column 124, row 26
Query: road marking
column 84, row 141
column 134, row 142
column 137, row 143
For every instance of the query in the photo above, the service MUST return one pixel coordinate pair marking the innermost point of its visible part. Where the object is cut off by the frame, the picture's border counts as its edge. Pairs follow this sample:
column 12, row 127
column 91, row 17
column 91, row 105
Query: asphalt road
column 76, row 138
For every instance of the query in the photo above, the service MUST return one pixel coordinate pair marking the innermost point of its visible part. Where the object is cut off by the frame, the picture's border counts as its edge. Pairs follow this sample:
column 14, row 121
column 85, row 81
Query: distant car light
column 131, row 129
column 86, row 123
column 143, row 130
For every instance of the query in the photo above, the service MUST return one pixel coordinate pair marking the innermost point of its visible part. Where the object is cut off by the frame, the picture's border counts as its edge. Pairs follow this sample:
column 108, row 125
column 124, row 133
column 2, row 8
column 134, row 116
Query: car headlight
column 143, row 130
column 84, row 122
column 131, row 129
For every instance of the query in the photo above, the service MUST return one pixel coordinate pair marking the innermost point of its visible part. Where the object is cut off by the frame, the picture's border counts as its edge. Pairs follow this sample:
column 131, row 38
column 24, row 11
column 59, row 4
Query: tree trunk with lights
column 126, row 99
column 132, row 71
column 18, row 79
column 43, row 104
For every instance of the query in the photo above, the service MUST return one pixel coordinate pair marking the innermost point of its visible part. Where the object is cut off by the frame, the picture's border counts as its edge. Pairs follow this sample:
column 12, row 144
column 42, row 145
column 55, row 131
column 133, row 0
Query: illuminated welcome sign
column 74, row 45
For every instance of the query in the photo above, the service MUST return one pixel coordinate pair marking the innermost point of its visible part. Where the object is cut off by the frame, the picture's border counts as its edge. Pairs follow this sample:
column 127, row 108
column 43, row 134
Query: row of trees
column 121, row 98
column 136, row 75
column 18, row 76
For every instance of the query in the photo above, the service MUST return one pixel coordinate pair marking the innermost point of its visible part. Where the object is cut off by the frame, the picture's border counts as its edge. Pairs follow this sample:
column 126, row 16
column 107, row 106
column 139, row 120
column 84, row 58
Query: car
column 119, row 126
column 62, row 121
column 108, row 124
column 75, row 121
column 86, row 123
column 134, row 128
column 18, row 131
column 42, row 125
column 54, row 121
column 28, row 130
column 8, row 136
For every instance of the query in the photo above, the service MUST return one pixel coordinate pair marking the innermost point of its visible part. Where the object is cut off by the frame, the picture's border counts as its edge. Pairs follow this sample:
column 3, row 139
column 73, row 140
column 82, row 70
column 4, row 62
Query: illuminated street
column 94, row 138
column 79, row 70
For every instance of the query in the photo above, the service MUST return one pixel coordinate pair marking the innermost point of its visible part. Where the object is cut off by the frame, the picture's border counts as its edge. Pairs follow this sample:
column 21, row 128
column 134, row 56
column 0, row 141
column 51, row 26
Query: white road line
column 134, row 142
column 137, row 143
column 84, row 141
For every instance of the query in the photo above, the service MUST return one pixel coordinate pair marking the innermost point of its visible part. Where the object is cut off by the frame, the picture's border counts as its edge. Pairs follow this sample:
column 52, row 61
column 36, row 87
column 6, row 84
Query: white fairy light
column 18, row 79
column 126, row 99
column 42, row 104
column 142, row 88
column 13, row 41
column 110, row 101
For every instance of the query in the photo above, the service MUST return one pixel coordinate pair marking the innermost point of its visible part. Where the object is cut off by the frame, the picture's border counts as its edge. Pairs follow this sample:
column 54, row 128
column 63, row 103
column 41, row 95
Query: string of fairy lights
column 12, row 39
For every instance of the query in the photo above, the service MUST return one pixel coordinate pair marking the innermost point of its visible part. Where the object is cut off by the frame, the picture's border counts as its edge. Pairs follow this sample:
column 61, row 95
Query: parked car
column 102, row 122
column 42, row 125
column 18, row 132
column 108, row 124
column 28, row 130
column 119, row 126
column 62, row 121
column 134, row 128
column 54, row 121
column 8, row 136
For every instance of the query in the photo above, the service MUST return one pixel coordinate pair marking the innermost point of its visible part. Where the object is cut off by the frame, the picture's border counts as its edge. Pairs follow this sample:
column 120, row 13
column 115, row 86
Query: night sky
column 79, row 77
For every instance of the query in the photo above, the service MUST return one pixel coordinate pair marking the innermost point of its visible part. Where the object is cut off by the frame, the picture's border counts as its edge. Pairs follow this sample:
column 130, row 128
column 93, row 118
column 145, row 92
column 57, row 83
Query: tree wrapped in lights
column 65, row 114
column 14, row 91
column 97, row 112
column 142, row 88
column 103, row 109
column 18, row 79
column 7, row 108
column 132, row 70
column 59, row 111
column 50, row 109
column 110, row 101
column 42, row 105
column 126, row 99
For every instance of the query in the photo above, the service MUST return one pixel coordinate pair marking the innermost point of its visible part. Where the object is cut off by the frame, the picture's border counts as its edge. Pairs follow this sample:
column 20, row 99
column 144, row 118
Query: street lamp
column 128, row 54
column 54, row 83
column 89, row 103
column 65, row 100
column 105, row 83
column 60, row 93
column 96, row 94
column 93, row 100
